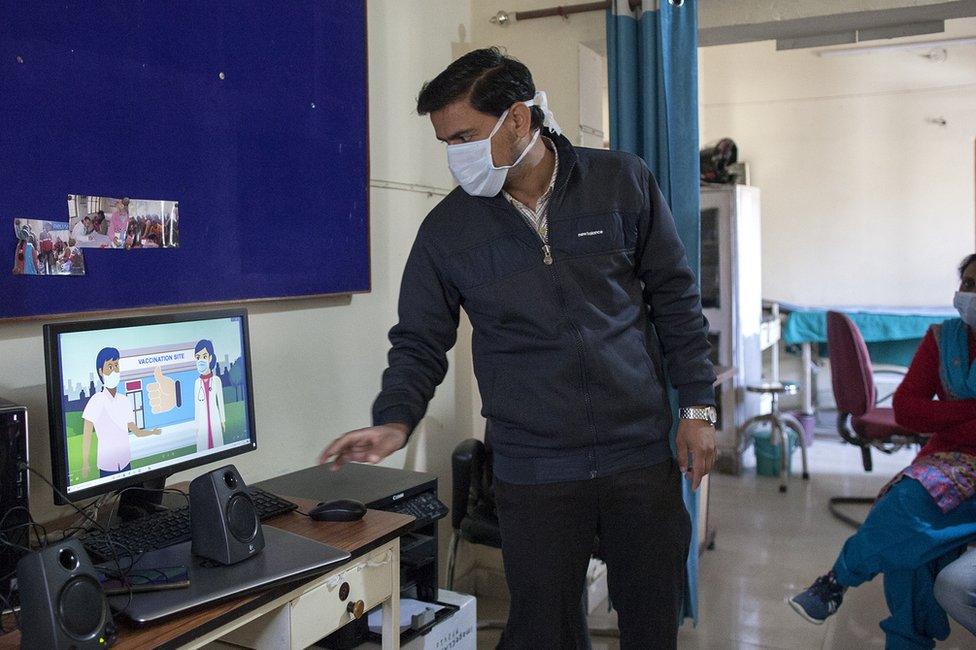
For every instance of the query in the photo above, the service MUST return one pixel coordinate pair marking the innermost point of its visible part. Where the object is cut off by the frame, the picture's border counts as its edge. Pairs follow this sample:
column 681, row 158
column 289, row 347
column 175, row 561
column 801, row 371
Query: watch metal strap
column 689, row 413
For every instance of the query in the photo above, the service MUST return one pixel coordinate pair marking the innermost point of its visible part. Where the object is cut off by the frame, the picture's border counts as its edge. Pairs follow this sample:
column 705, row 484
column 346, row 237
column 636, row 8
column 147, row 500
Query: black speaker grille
column 242, row 519
column 81, row 607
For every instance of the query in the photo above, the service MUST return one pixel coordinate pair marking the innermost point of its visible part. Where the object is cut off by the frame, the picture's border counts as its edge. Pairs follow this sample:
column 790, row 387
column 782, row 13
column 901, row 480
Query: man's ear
column 521, row 118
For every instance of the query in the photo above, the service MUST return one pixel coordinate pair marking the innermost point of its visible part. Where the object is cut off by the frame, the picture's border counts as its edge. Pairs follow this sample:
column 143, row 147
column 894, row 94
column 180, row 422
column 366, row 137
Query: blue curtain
column 653, row 59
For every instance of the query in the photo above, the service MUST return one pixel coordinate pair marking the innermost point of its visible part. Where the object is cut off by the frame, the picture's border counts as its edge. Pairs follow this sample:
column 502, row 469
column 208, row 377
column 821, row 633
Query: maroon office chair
column 859, row 420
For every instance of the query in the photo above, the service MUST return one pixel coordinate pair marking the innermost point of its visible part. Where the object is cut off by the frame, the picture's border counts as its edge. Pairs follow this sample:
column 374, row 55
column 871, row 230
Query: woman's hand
column 370, row 445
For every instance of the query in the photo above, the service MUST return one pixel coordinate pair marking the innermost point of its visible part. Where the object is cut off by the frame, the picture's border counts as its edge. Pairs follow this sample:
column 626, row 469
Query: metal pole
column 504, row 17
column 807, row 355
column 563, row 11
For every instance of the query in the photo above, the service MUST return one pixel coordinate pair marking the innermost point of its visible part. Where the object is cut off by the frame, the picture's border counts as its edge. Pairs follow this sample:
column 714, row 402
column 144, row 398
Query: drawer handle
column 356, row 608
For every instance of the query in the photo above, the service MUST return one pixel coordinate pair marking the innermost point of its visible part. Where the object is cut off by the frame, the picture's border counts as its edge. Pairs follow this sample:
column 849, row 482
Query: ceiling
column 814, row 23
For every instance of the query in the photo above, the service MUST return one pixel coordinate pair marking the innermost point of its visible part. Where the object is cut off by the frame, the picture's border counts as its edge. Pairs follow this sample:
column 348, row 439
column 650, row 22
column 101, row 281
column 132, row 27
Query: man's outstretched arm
column 429, row 309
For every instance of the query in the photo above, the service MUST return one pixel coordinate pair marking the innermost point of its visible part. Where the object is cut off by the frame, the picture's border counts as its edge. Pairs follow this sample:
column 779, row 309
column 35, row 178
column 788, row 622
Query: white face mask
column 111, row 381
column 965, row 303
column 471, row 163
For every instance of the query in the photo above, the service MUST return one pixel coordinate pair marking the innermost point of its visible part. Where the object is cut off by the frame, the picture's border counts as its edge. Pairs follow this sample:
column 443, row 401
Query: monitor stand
column 140, row 501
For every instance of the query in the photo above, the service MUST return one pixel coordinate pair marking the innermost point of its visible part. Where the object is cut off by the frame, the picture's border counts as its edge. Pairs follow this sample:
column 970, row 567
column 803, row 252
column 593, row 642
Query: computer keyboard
column 167, row 528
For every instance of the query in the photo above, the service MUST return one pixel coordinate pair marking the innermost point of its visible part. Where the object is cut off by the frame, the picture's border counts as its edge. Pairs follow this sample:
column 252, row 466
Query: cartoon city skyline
column 74, row 396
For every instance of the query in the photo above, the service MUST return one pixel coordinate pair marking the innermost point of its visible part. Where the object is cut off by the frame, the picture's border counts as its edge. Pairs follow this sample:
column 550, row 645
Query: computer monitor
column 135, row 399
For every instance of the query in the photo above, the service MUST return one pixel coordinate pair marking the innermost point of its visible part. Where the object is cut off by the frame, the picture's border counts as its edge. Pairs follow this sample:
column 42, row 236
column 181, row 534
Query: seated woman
column 926, row 515
column 955, row 589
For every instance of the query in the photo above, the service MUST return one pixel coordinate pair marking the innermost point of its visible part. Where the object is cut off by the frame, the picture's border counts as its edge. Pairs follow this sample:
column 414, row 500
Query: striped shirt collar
column 539, row 217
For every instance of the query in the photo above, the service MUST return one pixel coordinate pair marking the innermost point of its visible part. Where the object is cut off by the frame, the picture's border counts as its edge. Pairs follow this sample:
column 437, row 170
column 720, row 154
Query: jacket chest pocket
column 492, row 261
column 607, row 232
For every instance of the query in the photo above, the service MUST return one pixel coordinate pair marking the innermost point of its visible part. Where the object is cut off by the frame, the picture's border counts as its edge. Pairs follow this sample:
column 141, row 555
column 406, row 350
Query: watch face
column 712, row 414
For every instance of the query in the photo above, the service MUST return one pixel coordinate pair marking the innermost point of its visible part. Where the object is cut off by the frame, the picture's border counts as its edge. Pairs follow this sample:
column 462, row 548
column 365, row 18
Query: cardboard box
column 457, row 632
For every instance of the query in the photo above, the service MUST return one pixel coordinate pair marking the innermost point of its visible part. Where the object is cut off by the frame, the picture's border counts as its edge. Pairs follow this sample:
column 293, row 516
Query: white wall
column 317, row 363
column 864, row 202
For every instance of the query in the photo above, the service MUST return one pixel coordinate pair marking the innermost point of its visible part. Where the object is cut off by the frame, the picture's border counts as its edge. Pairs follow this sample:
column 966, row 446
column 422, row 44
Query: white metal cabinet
column 731, row 283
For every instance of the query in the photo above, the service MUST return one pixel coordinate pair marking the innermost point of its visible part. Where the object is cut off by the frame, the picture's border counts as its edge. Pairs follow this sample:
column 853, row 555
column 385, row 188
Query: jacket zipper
column 548, row 260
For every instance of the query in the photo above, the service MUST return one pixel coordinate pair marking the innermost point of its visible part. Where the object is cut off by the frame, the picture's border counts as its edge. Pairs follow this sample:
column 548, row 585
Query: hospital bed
column 892, row 334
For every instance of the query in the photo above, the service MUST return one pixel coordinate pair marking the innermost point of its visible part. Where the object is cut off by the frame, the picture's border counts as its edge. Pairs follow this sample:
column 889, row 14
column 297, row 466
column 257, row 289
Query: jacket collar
column 567, row 164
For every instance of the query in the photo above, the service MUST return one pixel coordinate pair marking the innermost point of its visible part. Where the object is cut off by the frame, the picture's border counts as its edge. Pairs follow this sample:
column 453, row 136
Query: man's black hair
column 490, row 80
column 966, row 261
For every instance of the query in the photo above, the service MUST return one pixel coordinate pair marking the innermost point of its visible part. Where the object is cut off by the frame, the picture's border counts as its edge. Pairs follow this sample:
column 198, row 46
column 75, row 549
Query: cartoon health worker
column 109, row 416
column 208, row 393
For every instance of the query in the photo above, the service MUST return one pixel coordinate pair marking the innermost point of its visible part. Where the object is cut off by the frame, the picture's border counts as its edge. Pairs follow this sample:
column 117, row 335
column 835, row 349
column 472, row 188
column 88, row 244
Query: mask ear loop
column 498, row 124
column 528, row 147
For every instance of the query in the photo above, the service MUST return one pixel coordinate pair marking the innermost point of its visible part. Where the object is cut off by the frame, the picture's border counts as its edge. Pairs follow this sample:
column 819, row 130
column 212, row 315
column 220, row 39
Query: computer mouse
column 338, row 510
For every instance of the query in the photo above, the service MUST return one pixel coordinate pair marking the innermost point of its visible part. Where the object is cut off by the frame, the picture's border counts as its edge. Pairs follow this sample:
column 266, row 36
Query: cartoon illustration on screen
column 208, row 394
column 109, row 416
column 209, row 421
column 162, row 378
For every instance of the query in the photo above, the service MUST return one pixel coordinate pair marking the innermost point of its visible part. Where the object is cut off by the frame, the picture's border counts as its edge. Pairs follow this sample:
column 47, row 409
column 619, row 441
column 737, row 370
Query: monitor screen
column 136, row 398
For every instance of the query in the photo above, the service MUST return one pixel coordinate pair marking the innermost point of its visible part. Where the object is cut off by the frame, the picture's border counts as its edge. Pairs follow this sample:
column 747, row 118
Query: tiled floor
column 768, row 546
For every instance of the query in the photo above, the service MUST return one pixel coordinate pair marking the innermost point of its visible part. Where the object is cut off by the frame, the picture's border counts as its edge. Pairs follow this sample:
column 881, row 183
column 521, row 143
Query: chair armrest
column 467, row 462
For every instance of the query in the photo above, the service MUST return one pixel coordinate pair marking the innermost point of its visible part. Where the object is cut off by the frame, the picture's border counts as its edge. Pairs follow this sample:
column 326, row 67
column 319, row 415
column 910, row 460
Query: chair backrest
column 473, row 479
column 486, row 493
column 850, row 366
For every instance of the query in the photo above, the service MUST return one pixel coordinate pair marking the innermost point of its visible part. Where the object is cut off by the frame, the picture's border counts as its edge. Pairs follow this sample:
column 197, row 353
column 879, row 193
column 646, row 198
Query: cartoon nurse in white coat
column 208, row 394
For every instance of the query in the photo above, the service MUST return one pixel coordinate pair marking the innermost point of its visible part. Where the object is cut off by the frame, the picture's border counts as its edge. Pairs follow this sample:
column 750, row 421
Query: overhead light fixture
column 918, row 45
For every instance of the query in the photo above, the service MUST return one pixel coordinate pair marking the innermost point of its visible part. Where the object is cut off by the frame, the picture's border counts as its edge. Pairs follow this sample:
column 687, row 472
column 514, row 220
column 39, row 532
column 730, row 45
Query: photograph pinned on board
column 46, row 248
column 105, row 222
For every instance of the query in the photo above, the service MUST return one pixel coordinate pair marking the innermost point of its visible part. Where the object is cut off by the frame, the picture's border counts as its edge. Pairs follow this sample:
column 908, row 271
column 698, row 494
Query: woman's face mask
column 965, row 304
column 203, row 366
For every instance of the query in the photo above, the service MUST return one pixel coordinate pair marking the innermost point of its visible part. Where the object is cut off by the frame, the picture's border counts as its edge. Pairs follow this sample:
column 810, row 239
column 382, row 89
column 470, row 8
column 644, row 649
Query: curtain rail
column 503, row 17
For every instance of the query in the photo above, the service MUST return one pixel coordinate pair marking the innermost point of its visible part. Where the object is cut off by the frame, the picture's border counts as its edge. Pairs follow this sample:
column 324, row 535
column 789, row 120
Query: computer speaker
column 61, row 600
column 224, row 523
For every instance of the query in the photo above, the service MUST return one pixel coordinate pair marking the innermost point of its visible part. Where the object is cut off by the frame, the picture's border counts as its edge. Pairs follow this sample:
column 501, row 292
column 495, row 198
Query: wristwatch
column 706, row 413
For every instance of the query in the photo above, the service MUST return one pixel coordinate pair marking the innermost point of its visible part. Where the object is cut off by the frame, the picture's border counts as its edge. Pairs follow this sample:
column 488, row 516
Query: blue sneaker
column 822, row 599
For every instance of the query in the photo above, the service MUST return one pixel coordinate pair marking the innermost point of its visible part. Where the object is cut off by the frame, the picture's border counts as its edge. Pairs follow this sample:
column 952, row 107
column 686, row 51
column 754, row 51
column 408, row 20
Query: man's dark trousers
column 549, row 533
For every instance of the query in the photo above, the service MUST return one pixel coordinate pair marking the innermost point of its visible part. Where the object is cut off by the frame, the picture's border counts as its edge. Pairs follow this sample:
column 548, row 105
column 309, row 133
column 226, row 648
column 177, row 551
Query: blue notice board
column 252, row 115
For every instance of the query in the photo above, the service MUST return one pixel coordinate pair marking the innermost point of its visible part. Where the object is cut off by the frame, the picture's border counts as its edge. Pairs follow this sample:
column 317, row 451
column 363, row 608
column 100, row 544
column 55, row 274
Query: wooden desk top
column 357, row 537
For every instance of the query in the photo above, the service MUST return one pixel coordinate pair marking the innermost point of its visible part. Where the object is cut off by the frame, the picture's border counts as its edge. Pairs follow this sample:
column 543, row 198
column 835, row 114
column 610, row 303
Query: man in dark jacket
column 570, row 269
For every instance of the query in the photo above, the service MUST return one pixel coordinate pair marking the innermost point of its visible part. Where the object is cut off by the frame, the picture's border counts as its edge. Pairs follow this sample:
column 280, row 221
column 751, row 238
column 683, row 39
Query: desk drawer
column 369, row 579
